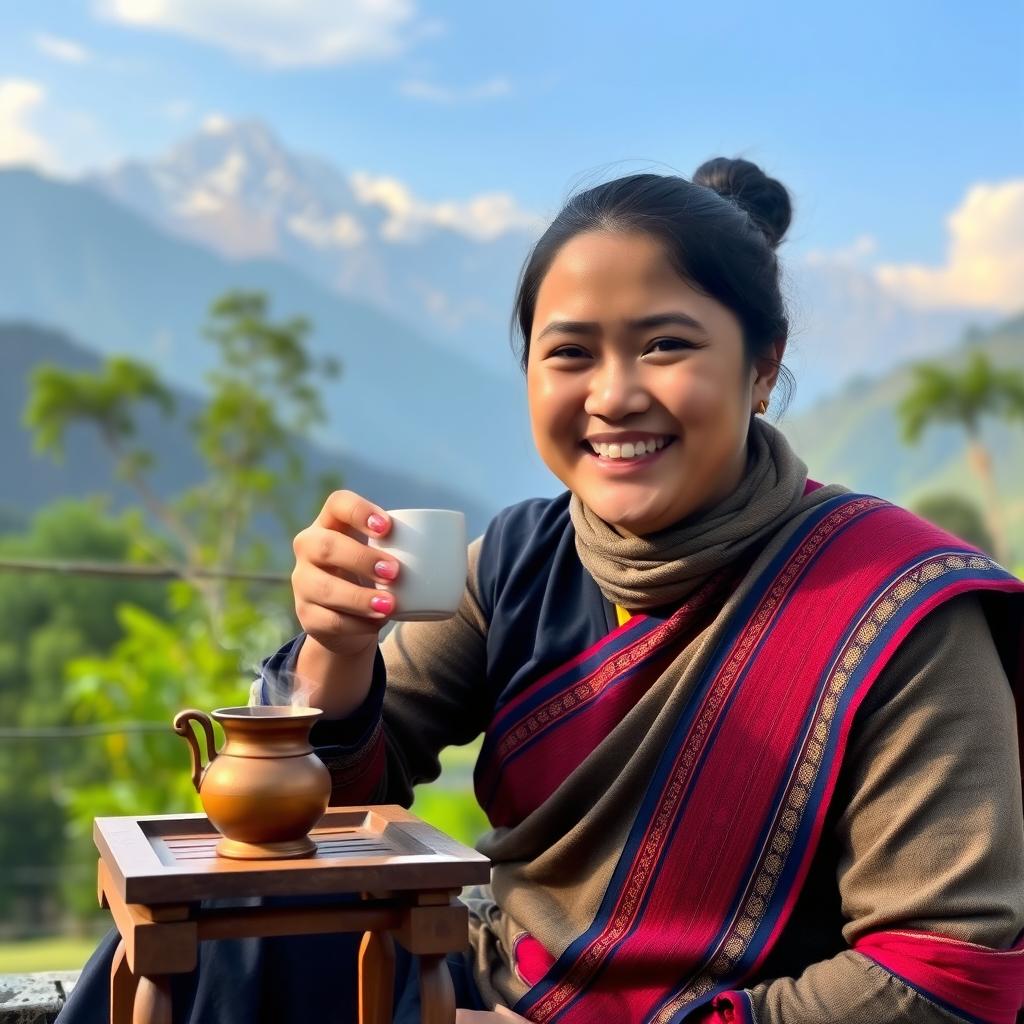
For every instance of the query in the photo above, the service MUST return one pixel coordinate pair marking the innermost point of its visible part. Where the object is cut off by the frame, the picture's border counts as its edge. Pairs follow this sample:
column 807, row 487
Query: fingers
column 314, row 588
column 335, row 571
column 339, row 553
column 346, row 510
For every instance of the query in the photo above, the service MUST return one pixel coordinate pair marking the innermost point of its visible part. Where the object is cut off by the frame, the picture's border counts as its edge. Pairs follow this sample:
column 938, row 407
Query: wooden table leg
column 437, row 994
column 122, row 987
column 376, row 978
column 153, row 1000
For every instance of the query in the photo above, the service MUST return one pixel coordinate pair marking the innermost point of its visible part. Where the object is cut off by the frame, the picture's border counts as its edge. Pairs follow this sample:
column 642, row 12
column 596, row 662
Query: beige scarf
column 664, row 567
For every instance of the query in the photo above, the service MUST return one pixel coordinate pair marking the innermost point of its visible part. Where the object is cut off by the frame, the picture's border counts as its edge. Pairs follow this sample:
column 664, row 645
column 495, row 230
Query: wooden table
column 155, row 870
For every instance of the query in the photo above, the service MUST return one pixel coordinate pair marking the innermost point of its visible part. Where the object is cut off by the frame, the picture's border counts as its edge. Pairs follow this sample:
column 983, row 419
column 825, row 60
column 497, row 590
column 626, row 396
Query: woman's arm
column 932, row 830
column 428, row 691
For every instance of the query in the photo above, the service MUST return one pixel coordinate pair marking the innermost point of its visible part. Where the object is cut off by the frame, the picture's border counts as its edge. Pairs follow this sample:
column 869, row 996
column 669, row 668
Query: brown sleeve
column 428, row 692
column 436, row 690
column 932, row 833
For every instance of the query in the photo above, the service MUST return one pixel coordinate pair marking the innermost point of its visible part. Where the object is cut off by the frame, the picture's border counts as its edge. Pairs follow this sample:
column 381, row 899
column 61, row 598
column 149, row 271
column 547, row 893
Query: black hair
column 720, row 232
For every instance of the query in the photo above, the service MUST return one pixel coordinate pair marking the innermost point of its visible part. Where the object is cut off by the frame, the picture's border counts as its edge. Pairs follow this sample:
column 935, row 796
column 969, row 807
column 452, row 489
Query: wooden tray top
column 170, row 858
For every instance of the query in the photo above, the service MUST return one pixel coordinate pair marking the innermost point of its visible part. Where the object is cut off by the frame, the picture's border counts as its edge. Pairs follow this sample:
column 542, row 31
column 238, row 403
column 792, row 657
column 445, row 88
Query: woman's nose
column 615, row 392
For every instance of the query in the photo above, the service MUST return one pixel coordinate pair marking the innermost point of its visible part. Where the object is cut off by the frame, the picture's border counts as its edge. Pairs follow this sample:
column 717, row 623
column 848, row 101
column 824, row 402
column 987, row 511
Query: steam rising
column 283, row 687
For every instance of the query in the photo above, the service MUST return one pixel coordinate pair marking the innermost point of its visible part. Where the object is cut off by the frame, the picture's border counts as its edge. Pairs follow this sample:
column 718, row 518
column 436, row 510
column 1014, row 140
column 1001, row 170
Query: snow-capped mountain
column 448, row 269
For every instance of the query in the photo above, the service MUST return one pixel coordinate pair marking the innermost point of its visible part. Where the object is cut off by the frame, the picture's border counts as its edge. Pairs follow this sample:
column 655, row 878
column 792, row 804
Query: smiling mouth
column 627, row 453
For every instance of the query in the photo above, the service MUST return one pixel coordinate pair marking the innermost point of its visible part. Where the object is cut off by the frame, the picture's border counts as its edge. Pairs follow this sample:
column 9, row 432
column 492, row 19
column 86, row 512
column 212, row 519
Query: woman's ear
column 766, row 373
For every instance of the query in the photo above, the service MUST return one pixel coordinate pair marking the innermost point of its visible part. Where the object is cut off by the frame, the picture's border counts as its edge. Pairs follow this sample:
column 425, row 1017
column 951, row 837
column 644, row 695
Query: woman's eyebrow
column 643, row 323
column 666, row 319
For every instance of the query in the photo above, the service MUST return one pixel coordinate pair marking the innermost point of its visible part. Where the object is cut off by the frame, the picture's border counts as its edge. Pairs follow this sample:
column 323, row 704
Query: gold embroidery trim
column 766, row 876
column 623, row 915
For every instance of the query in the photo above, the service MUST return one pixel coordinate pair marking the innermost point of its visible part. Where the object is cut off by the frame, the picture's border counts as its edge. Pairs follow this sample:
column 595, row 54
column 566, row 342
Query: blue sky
column 879, row 116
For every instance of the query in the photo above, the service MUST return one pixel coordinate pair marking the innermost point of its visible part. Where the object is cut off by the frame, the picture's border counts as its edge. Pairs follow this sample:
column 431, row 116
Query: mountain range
column 78, row 262
column 448, row 269
column 87, row 468
column 443, row 271
column 128, row 260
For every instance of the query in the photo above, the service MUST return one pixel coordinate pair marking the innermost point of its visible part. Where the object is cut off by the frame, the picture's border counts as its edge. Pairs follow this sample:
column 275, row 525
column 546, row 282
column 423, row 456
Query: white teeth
column 628, row 450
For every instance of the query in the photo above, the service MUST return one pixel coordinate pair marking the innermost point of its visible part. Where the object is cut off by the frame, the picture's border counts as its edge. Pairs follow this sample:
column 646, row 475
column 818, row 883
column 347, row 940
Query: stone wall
column 34, row 998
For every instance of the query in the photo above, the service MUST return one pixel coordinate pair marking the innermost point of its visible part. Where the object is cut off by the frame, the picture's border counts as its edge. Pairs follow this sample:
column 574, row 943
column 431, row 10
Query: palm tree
column 964, row 397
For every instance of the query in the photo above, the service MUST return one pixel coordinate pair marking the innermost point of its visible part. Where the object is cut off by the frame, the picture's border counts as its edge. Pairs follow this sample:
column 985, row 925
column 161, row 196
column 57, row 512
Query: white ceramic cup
column 430, row 546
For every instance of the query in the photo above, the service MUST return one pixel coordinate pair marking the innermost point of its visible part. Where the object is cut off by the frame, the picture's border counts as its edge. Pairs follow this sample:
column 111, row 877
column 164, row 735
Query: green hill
column 854, row 437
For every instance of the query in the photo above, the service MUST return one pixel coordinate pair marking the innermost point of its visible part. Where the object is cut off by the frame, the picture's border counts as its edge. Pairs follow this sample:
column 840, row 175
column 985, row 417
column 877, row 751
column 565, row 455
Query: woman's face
column 623, row 353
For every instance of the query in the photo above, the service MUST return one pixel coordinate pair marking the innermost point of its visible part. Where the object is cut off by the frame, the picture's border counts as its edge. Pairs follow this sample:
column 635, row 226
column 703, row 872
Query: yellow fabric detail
column 622, row 614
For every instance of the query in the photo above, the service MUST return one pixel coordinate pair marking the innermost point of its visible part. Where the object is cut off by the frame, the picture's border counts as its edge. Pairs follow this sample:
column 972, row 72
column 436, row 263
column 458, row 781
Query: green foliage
column 141, row 663
column 959, row 516
column 963, row 398
column 100, row 653
column 264, row 397
column 107, row 399
column 450, row 804
column 46, row 620
column 49, row 954
column 453, row 811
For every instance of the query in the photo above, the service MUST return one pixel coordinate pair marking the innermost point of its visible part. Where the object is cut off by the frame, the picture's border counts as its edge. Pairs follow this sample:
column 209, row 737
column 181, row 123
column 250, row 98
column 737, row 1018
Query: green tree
column 47, row 620
column 263, row 400
column 965, row 398
column 959, row 515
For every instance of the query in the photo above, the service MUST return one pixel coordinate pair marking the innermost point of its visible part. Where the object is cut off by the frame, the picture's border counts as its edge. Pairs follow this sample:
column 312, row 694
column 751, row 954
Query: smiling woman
column 749, row 750
column 602, row 380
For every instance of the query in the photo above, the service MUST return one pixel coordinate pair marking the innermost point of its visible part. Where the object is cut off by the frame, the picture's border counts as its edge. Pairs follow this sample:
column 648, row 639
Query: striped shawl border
column 562, row 699
column 790, row 836
column 789, row 842
column 653, row 830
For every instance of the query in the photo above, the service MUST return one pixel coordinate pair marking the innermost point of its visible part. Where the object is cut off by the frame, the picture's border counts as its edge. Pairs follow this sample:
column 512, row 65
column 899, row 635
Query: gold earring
column 763, row 407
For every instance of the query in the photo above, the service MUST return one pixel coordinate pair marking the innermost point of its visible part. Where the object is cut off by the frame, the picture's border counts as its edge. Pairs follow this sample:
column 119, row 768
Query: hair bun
column 764, row 199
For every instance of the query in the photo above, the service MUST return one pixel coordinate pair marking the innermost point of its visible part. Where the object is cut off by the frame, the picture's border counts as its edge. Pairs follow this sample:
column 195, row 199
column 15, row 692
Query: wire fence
column 62, row 732
column 122, row 570
column 130, row 570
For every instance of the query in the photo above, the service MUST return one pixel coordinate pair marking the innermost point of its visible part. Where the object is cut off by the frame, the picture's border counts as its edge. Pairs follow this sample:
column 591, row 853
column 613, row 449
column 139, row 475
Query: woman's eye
column 569, row 352
column 671, row 345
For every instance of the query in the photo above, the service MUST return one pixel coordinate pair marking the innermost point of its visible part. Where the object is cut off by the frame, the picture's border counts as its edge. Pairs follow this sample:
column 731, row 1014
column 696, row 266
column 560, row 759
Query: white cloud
column 279, row 33
column 984, row 266
column 19, row 142
column 66, row 50
column 343, row 231
column 483, row 217
column 216, row 124
column 852, row 255
column 492, row 88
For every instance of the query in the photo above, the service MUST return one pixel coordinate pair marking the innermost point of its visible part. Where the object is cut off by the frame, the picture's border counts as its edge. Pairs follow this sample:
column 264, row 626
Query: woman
column 749, row 746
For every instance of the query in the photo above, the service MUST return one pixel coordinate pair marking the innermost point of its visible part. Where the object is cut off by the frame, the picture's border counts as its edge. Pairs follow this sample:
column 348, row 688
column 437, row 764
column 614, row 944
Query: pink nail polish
column 382, row 603
column 386, row 569
column 377, row 523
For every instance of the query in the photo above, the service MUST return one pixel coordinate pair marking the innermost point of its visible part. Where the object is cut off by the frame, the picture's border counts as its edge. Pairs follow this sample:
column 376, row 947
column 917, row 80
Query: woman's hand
column 335, row 600
column 499, row 1015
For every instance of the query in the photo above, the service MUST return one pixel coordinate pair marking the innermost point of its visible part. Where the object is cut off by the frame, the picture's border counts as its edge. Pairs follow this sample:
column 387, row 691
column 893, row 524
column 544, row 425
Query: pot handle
column 182, row 728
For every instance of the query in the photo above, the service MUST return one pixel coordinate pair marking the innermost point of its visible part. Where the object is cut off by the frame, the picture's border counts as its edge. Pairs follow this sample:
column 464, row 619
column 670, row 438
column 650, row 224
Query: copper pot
column 265, row 789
